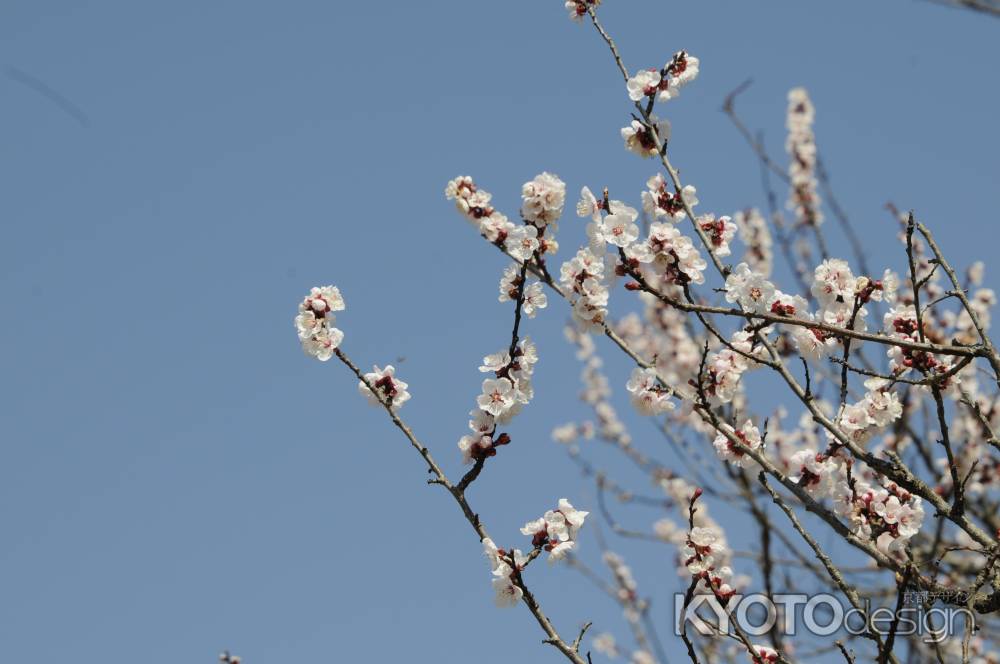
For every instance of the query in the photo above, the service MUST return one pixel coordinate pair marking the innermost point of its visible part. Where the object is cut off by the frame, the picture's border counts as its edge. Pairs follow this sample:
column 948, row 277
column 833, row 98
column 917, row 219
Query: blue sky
column 176, row 478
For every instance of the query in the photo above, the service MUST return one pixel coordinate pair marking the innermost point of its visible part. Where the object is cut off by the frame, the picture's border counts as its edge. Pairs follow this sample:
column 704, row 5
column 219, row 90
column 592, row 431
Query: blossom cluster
column 879, row 408
column 666, row 83
column 505, row 566
column 533, row 295
column 890, row 516
column 801, row 146
column 542, row 205
column 840, row 295
column 583, row 276
column 556, row 530
column 726, row 367
column 314, row 322
column 644, row 138
column 702, row 549
column 388, row 388
column 900, row 322
column 663, row 203
column 501, row 398
column 748, row 435
column 648, row 394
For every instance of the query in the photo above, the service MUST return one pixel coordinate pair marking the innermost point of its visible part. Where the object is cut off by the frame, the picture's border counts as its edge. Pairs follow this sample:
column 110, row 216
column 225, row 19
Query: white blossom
column 619, row 228
column 534, row 299
column 751, row 290
column 748, row 435
column 389, row 387
column 648, row 397
column 543, row 199
column 522, row 242
column 644, row 83
column 314, row 322
column 663, row 202
column 642, row 140
column 498, row 396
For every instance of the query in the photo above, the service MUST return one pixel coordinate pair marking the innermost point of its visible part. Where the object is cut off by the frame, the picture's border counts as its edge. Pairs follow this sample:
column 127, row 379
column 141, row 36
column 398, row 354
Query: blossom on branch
column 645, row 140
column 388, row 388
column 314, row 322
column 556, row 531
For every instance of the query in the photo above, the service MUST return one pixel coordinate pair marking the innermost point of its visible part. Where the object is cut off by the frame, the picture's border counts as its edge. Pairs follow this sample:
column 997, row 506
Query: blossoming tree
column 887, row 436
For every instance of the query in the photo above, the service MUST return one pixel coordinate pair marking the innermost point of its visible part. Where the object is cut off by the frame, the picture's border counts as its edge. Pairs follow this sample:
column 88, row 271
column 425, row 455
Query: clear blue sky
column 177, row 478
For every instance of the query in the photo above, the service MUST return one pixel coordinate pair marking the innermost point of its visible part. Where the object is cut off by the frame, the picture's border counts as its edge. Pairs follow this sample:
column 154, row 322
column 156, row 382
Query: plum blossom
column 833, row 282
column 498, row 396
column 641, row 139
column 502, row 397
column 699, row 553
column 801, row 146
column 583, row 277
column 522, row 242
column 480, row 444
column 683, row 68
column 792, row 306
column 388, row 387
column 673, row 256
column 543, row 199
column 556, row 531
column 812, row 471
column 748, row 435
column 510, row 283
column 508, row 593
column 719, row 231
column 619, row 227
column 534, row 299
column 663, row 203
column 314, row 322
column 751, row 290
column 648, row 396
column 472, row 202
column 812, row 343
column 644, row 83
column 589, row 205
